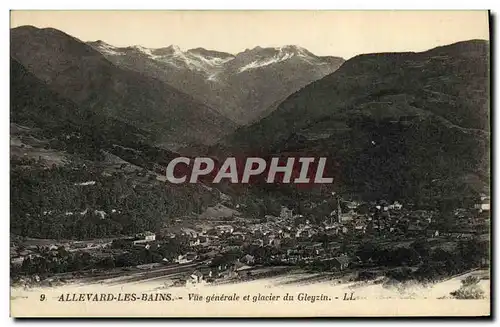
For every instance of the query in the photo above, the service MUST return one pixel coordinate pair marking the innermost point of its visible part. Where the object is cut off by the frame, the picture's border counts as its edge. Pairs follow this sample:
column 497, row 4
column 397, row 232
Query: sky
column 337, row 33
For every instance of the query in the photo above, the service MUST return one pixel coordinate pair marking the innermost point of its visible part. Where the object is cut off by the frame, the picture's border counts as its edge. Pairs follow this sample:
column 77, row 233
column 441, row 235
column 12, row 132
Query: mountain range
column 392, row 125
column 395, row 125
column 237, row 86
column 79, row 73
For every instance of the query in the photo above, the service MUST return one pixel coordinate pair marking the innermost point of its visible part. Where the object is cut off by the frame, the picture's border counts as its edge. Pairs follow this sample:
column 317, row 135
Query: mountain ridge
column 236, row 85
column 360, row 62
column 381, row 117
column 80, row 73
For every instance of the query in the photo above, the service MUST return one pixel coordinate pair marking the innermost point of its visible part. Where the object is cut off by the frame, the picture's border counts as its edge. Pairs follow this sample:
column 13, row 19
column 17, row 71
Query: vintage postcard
column 249, row 163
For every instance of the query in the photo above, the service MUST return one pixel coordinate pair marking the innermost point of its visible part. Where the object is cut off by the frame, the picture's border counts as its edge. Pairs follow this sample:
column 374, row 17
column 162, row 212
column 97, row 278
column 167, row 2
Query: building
column 338, row 263
column 352, row 204
column 348, row 216
column 188, row 257
column 196, row 277
column 189, row 232
column 16, row 261
column 431, row 232
column 145, row 238
column 484, row 204
column 341, row 262
column 239, row 235
column 360, row 228
column 395, row 206
column 195, row 242
column 241, row 269
column 225, row 229
column 286, row 213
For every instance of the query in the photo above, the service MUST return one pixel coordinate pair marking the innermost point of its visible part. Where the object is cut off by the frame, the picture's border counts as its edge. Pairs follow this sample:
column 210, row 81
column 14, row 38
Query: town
column 358, row 239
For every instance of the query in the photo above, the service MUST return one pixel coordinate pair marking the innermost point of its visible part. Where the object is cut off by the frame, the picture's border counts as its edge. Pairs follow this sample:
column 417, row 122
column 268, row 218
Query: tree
column 470, row 280
column 470, row 289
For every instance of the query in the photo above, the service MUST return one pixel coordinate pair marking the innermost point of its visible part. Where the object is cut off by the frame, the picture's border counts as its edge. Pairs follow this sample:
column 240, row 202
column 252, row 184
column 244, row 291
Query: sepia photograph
column 306, row 163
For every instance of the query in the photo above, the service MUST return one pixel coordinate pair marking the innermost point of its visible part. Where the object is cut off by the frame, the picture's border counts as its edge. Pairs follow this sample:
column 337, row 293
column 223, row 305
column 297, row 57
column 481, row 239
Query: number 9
column 42, row 297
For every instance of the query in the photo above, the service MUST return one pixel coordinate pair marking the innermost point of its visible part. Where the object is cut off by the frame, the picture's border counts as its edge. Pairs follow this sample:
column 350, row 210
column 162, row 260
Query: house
column 286, row 235
column 348, row 216
column 196, row 277
column 395, row 206
column 484, row 204
column 431, row 232
column 149, row 236
column 101, row 213
column 351, row 204
column 360, row 228
column 145, row 237
column 186, row 258
column 195, row 242
column 16, row 261
column 241, row 269
column 302, row 233
column 225, row 229
column 189, row 232
column 239, row 235
column 337, row 263
column 341, row 262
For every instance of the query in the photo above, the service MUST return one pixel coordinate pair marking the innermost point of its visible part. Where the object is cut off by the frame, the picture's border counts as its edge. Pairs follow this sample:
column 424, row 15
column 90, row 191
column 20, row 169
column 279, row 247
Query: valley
column 94, row 128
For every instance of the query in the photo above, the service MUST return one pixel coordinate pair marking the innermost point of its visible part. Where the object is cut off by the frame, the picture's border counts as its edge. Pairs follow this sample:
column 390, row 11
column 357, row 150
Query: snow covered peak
column 175, row 48
column 297, row 51
column 198, row 59
column 167, row 51
column 170, row 50
column 290, row 48
column 211, row 53
column 144, row 50
column 260, row 57
column 212, row 63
